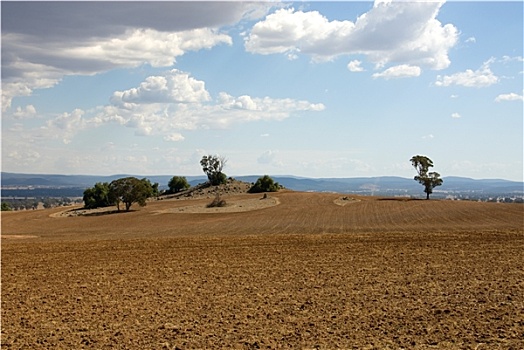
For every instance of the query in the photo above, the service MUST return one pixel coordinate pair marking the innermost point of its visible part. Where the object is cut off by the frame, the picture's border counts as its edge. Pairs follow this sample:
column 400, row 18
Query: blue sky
column 317, row 89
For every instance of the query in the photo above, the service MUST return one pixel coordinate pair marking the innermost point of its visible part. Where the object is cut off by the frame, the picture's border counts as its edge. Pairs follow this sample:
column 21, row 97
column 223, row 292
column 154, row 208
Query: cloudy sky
column 317, row 89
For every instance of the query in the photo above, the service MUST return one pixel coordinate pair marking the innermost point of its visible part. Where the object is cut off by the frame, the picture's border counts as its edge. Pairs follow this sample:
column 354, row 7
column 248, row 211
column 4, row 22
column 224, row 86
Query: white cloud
column 165, row 105
column 508, row 59
column 174, row 137
column 401, row 32
column 28, row 111
column 428, row 137
column 509, row 97
column 139, row 46
column 66, row 125
column 471, row 40
column 402, row 71
column 41, row 44
column 173, row 87
column 355, row 66
column 455, row 115
column 132, row 49
column 482, row 77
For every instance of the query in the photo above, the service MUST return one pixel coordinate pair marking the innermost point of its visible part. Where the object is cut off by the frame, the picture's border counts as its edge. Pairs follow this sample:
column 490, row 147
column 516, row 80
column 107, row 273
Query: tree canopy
column 429, row 180
column 177, row 184
column 126, row 190
column 129, row 190
column 212, row 167
column 98, row 196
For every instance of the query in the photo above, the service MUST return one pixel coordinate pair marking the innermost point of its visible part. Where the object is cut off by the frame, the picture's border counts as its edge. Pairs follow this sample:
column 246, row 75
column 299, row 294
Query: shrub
column 217, row 202
column 6, row 206
column 264, row 184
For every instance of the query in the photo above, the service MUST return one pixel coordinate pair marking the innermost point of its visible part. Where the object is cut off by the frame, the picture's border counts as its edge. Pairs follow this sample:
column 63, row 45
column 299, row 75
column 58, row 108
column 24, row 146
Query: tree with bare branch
column 212, row 165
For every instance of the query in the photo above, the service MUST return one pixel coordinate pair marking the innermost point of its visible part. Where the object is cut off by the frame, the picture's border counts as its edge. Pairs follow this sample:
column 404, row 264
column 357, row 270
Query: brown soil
column 307, row 273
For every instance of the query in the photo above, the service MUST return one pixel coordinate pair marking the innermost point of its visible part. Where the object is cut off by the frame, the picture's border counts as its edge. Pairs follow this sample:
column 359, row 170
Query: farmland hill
column 308, row 270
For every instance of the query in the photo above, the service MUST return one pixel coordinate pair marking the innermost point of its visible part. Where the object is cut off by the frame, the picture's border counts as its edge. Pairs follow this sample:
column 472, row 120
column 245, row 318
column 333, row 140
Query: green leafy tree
column 98, row 196
column 429, row 180
column 264, row 184
column 130, row 190
column 153, row 188
column 6, row 206
column 212, row 167
column 177, row 184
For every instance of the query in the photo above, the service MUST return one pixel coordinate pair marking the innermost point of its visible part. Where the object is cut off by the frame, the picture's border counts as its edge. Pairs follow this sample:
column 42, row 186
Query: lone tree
column 177, row 184
column 428, row 180
column 212, row 167
column 129, row 190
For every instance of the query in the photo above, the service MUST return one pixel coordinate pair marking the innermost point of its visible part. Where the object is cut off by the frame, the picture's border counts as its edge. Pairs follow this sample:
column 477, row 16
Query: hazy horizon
column 248, row 175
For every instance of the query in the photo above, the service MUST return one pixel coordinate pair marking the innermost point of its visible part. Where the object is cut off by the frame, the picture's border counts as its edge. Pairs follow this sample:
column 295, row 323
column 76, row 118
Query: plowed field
column 303, row 274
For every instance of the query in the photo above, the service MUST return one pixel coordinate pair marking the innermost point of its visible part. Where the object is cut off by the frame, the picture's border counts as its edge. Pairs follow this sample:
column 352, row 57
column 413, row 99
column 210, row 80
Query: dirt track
column 306, row 273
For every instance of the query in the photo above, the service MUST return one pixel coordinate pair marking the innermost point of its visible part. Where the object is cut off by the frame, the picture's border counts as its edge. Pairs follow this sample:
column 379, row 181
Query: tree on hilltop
column 212, row 167
column 428, row 180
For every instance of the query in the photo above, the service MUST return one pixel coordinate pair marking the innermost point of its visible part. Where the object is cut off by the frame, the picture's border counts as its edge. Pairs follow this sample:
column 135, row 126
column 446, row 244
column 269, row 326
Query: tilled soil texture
column 306, row 273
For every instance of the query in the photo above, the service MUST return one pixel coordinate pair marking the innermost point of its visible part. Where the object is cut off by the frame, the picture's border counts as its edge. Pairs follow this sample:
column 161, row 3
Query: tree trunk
column 427, row 196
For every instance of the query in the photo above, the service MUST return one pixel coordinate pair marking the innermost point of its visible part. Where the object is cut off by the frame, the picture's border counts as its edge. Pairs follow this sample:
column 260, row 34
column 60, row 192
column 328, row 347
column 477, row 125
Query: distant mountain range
column 32, row 184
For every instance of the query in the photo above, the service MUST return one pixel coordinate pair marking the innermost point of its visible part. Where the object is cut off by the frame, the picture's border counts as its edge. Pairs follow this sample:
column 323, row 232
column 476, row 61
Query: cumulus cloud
column 509, row 97
column 165, row 105
column 455, row 115
column 401, row 32
column 355, row 66
column 42, row 43
column 402, row 71
column 173, row 87
column 132, row 49
column 66, row 125
column 28, row 111
column 482, row 77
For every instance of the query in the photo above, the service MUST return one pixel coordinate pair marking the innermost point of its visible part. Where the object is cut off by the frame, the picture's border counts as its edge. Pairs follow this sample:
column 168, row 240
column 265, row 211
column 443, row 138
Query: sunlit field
column 309, row 271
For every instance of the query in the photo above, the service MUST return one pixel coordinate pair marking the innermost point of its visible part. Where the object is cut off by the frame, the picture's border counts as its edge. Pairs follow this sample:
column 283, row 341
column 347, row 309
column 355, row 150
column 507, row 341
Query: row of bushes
column 126, row 190
column 131, row 190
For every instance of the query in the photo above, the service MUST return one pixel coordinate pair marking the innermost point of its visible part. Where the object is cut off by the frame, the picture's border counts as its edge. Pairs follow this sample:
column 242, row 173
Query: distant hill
column 383, row 185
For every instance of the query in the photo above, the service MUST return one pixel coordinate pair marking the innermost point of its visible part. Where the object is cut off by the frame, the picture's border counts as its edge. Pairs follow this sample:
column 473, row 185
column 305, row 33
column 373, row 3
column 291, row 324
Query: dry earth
column 307, row 271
